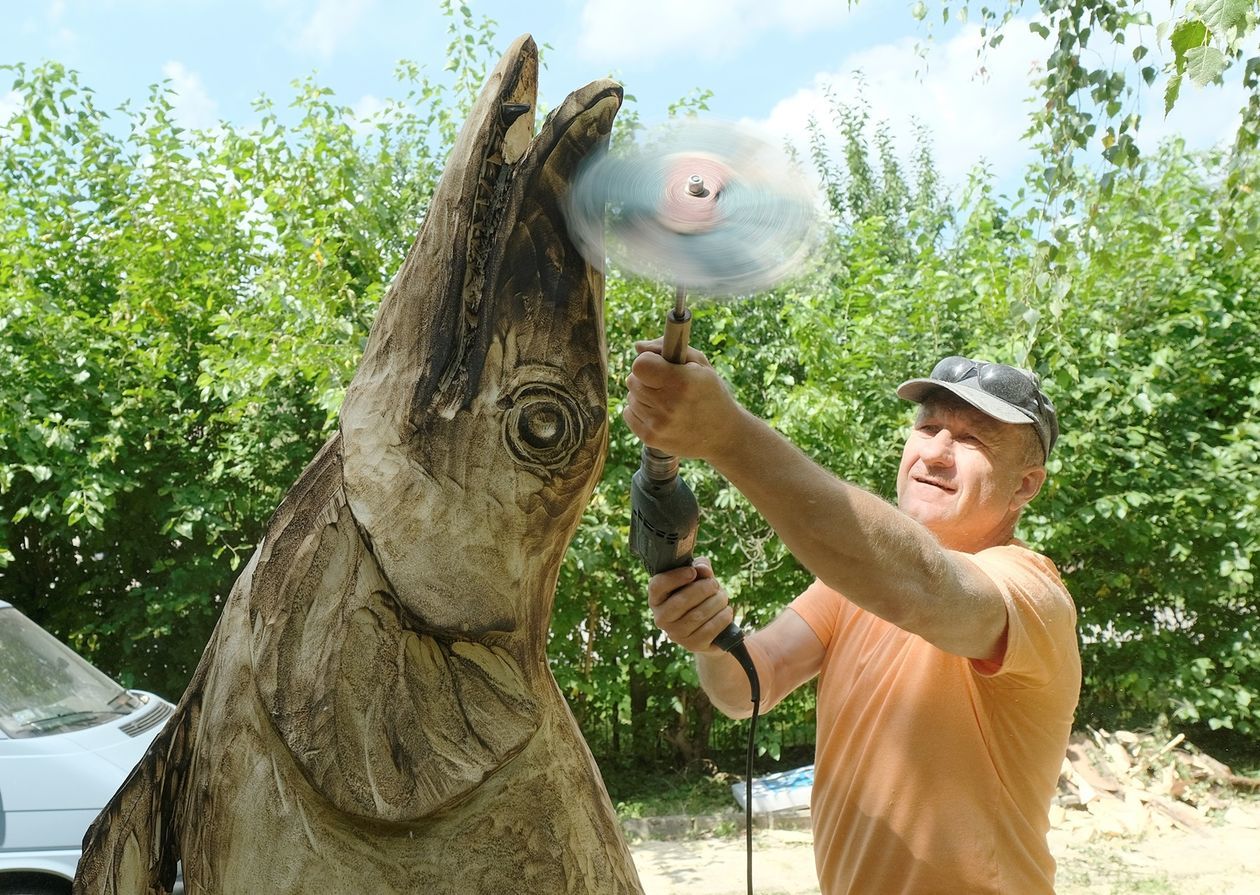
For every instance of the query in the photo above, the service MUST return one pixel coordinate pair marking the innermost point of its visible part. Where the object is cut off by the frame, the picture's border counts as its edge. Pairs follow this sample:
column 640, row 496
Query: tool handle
column 659, row 465
column 664, row 515
column 677, row 336
column 664, row 518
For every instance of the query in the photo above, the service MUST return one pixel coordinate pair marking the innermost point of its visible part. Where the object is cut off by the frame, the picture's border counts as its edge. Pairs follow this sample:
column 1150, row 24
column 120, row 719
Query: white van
column 68, row 738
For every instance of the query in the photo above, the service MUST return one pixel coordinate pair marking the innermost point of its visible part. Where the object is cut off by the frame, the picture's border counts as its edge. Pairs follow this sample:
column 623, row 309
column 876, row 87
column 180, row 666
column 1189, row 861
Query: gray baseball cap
column 1003, row 392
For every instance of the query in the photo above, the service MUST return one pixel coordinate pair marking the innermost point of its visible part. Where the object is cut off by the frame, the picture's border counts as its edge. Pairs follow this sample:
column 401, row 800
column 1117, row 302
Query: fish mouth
column 471, row 200
column 425, row 354
column 519, row 196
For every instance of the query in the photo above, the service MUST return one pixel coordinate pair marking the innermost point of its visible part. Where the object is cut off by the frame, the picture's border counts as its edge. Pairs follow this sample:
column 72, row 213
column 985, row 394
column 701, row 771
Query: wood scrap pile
column 1128, row 784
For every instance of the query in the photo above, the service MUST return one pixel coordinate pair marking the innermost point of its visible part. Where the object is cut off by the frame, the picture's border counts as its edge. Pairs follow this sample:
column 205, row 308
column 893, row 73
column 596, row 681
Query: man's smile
column 934, row 483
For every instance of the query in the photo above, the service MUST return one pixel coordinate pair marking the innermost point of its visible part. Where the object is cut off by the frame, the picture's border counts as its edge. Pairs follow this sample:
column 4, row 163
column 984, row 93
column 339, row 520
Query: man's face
column 965, row 475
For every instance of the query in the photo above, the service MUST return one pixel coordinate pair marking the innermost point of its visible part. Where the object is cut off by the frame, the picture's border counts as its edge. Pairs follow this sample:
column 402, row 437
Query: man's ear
column 1029, row 485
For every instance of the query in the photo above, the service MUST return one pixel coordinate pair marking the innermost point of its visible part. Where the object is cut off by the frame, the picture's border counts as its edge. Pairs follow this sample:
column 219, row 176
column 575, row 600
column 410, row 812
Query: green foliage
column 181, row 310
column 1152, row 336
column 661, row 792
column 1090, row 91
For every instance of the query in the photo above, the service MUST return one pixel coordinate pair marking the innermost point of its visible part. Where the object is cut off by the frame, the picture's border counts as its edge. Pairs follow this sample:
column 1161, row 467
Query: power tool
column 664, row 514
column 707, row 206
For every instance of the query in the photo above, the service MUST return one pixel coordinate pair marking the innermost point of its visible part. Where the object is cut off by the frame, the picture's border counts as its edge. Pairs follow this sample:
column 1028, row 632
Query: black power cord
column 740, row 652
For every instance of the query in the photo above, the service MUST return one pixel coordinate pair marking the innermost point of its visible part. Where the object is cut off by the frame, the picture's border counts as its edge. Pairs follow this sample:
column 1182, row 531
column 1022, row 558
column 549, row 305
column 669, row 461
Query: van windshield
column 46, row 687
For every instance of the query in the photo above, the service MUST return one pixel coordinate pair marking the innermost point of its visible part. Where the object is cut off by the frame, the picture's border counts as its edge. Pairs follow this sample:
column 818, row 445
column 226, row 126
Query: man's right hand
column 682, row 409
column 690, row 606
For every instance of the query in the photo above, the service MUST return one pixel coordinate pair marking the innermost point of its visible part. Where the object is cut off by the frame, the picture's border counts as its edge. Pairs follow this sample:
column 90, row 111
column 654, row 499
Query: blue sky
column 766, row 62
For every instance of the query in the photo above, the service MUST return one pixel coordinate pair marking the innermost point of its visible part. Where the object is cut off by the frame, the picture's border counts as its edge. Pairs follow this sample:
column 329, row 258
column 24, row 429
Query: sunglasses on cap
column 1018, row 388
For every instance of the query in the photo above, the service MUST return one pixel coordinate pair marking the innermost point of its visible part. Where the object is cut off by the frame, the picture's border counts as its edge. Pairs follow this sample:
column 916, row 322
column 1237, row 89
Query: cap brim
column 917, row 390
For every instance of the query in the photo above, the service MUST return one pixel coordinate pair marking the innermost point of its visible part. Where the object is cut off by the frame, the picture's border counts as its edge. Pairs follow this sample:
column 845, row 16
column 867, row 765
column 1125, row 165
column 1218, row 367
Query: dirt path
column 783, row 864
column 1224, row 859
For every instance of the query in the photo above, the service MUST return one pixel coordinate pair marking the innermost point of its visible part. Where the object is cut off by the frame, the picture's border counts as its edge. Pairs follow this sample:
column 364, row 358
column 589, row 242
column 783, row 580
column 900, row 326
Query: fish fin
column 384, row 721
column 133, row 847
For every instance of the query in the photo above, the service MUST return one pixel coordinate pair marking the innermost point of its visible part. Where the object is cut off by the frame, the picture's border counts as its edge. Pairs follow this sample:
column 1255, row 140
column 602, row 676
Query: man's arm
column 691, row 607
column 854, row 542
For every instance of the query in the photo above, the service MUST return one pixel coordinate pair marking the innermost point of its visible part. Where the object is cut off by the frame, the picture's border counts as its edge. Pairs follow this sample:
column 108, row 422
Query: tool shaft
column 658, row 465
column 677, row 331
column 664, row 514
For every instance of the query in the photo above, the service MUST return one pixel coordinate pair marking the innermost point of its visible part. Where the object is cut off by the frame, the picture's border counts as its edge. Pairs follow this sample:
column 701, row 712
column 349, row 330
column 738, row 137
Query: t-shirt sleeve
column 1041, row 617
column 821, row 608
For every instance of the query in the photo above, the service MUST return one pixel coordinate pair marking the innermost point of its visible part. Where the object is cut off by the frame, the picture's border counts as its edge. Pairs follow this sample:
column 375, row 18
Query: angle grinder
column 707, row 206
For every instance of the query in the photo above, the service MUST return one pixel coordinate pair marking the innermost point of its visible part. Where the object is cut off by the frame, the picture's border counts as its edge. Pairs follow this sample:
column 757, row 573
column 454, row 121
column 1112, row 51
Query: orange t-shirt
column 934, row 772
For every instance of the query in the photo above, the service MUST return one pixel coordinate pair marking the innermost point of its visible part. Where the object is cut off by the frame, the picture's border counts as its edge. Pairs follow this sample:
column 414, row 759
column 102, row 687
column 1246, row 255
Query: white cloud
column 367, row 106
column 193, row 106
column 9, row 104
column 329, row 24
column 63, row 37
column 976, row 110
column 366, row 111
column 971, row 114
column 617, row 32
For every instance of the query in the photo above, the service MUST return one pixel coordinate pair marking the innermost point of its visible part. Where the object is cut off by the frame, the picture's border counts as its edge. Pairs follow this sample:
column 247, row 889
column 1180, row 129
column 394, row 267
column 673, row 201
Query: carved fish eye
column 543, row 426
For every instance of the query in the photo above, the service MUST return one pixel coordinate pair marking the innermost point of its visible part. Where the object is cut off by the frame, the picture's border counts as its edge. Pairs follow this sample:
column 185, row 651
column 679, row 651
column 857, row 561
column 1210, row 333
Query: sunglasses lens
column 953, row 369
column 1007, row 383
column 1011, row 384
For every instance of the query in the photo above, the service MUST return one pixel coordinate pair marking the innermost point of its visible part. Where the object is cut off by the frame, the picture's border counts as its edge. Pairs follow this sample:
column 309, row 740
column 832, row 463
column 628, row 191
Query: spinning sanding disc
column 711, row 207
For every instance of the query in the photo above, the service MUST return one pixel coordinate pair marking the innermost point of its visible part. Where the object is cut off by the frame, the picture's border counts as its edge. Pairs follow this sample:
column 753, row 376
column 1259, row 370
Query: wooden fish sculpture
column 374, row 712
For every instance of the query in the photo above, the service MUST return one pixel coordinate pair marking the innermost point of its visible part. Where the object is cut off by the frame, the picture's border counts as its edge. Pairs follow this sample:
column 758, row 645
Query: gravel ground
column 1223, row 859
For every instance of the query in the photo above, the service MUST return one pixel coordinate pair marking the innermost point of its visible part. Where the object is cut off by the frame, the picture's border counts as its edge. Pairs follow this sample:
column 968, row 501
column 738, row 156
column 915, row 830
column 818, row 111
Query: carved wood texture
column 374, row 711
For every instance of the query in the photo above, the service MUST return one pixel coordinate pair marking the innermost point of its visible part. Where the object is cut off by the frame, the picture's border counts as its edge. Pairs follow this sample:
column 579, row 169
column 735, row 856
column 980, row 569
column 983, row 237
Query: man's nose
column 939, row 449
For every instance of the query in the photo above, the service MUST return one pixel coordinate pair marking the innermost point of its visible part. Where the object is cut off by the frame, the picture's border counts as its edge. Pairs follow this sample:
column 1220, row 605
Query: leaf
column 1205, row 64
column 1221, row 15
column 1171, row 92
column 1185, row 37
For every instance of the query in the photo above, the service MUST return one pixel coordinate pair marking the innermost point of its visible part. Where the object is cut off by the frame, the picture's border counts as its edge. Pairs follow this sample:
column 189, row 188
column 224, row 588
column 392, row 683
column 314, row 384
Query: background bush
column 180, row 312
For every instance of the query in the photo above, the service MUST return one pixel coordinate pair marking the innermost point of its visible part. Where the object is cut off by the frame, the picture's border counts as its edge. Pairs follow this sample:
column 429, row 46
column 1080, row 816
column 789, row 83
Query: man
column 946, row 650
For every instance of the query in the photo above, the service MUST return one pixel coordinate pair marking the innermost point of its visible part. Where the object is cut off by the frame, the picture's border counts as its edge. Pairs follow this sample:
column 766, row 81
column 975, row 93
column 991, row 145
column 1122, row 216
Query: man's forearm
column 847, row 537
column 726, row 683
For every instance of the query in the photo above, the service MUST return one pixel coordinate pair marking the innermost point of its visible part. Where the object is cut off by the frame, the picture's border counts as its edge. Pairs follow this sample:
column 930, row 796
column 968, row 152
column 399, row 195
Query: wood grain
column 374, row 711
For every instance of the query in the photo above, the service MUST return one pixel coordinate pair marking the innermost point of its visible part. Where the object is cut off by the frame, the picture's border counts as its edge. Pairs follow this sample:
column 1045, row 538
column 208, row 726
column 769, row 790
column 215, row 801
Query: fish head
column 476, row 425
